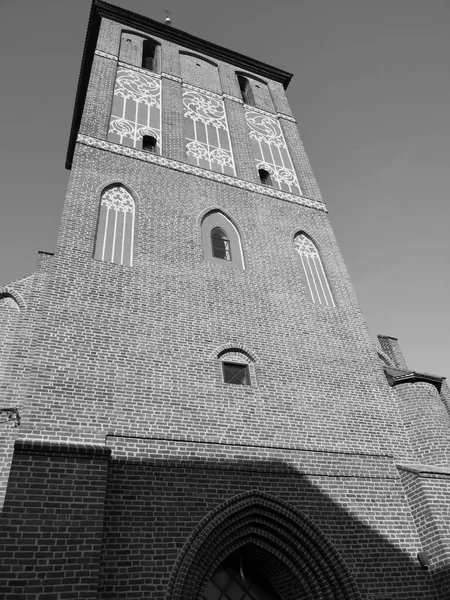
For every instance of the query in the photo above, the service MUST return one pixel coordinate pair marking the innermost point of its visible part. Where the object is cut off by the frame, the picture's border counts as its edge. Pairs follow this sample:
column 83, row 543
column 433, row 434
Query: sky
column 371, row 94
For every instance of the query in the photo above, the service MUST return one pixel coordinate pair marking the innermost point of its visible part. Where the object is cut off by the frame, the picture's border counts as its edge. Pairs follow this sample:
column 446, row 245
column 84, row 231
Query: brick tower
column 196, row 408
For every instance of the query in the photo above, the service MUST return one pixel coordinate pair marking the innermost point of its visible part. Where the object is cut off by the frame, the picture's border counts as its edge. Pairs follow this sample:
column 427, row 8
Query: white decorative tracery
column 316, row 279
column 207, row 138
column 115, row 229
column 136, row 109
column 270, row 151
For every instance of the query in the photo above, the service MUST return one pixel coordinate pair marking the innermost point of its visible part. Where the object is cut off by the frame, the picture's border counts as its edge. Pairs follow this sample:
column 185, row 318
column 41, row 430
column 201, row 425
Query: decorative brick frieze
column 106, row 55
column 233, row 98
column 171, row 164
column 172, row 77
column 286, row 117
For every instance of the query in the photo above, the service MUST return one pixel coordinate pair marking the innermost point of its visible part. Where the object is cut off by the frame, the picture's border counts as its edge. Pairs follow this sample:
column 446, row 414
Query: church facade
column 193, row 406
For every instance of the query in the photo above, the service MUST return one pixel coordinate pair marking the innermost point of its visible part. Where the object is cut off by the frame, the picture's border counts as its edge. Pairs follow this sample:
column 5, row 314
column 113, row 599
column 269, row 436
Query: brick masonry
column 130, row 444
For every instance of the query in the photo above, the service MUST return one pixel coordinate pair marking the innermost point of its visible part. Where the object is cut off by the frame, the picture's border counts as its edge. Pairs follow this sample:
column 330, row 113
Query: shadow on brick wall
column 89, row 527
column 153, row 507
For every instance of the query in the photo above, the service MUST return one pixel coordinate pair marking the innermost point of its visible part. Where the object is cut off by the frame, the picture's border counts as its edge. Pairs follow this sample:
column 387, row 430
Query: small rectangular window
column 149, row 143
column 236, row 373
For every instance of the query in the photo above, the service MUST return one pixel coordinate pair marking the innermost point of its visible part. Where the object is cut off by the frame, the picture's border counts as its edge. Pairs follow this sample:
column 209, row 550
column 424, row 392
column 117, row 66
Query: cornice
column 398, row 376
column 106, row 55
column 191, row 169
column 170, row 33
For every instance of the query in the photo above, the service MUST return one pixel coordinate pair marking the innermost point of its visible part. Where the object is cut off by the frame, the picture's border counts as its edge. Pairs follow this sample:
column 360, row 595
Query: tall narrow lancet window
column 115, row 229
column 207, row 138
column 136, row 110
column 316, row 280
column 149, row 55
column 270, row 152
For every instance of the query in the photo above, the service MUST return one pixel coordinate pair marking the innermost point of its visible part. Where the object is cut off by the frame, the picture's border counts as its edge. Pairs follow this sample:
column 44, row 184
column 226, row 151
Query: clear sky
column 371, row 93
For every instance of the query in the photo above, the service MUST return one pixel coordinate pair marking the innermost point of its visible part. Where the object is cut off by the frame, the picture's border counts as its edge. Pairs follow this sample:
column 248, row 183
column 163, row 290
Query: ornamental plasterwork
column 313, row 269
column 105, row 55
column 207, row 138
column 270, row 150
column 206, row 174
column 115, row 229
column 136, row 109
column 118, row 199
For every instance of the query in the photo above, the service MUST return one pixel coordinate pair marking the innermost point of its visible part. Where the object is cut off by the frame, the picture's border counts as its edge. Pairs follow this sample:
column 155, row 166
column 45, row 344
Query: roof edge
column 399, row 376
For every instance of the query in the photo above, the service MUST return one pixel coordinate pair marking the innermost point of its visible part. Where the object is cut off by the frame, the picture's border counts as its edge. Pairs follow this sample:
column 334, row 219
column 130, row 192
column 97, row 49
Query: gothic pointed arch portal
column 264, row 545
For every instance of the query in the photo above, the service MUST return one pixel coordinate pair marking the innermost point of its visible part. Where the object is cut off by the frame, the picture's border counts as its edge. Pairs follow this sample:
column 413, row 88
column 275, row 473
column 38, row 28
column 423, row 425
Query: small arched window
column 220, row 244
column 115, row 228
column 246, row 90
column 317, row 283
column 221, row 241
column 237, row 367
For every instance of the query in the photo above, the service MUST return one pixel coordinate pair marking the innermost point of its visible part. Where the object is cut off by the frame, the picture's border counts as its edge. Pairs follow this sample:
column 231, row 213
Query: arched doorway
column 256, row 547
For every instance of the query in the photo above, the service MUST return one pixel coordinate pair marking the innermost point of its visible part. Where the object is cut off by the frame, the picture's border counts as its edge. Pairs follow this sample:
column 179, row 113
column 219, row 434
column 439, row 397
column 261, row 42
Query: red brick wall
column 131, row 354
column 52, row 522
column 427, row 422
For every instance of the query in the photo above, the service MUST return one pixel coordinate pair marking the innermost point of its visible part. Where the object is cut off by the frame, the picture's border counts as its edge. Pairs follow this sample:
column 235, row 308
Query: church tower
column 203, row 414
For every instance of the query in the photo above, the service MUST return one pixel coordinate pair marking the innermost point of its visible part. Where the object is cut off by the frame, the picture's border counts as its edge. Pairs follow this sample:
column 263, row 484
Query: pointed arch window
column 221, row 241
column 115, row 229
column 316, row 279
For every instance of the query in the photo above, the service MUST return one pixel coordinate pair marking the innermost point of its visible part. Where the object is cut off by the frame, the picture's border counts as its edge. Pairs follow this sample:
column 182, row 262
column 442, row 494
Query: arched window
column 221, row 241
column 317, row 283
column 115, row 229
column 220, row 244
column 237, row 367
